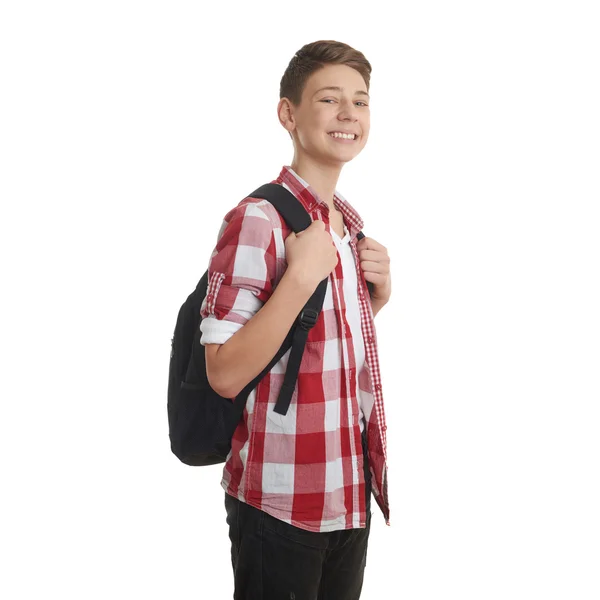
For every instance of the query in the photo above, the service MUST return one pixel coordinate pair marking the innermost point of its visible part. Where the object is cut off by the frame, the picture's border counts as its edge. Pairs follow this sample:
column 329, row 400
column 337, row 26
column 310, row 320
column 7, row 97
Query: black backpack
column 202, row 423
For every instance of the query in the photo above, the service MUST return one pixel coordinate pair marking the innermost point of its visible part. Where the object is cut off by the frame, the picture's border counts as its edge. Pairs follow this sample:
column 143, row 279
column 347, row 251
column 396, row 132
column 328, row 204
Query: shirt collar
column 310, row 199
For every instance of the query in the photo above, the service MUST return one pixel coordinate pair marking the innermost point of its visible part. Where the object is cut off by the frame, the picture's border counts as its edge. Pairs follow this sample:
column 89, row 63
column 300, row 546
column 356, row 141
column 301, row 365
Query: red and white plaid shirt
column 305, row 467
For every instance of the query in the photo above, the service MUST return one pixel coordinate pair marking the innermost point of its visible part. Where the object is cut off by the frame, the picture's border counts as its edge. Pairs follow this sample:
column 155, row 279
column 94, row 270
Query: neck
column 322, row 178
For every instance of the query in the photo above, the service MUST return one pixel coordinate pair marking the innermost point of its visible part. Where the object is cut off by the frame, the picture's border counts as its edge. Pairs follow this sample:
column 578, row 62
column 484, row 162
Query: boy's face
column 324, row 111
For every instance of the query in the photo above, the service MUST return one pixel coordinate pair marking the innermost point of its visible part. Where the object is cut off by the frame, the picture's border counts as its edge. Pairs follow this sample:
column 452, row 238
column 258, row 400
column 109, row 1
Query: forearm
column 246, row 353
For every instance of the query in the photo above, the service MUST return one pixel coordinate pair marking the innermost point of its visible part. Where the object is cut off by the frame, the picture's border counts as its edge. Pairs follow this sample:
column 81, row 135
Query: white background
column 129, row 129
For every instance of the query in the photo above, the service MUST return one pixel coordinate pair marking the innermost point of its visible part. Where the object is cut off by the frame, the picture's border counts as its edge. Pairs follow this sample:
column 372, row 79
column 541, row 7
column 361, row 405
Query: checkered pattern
column 305, row 467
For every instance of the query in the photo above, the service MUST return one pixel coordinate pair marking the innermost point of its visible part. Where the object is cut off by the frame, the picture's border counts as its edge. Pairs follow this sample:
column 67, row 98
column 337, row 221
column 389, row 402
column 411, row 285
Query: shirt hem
column 362, row 524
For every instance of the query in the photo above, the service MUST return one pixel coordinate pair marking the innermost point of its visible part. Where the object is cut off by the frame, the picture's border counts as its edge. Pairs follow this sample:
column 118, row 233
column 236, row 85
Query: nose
column 348, row 111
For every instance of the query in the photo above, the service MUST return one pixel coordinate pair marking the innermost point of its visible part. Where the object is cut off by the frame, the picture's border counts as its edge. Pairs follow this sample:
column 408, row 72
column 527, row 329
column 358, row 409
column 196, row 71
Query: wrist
column 299, row 281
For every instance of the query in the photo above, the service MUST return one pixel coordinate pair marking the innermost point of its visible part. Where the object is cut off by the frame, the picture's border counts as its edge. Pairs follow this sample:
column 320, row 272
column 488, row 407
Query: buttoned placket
column 370, row 340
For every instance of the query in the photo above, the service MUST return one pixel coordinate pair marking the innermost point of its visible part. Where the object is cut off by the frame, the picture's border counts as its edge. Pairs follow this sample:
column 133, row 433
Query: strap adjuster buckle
column 308, row 318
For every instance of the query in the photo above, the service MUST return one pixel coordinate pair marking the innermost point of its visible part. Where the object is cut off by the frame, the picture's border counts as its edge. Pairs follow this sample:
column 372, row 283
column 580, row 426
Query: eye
column 358, row 102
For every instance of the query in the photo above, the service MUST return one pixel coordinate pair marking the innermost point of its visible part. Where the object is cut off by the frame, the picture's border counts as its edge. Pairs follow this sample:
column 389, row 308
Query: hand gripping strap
column 370, row 285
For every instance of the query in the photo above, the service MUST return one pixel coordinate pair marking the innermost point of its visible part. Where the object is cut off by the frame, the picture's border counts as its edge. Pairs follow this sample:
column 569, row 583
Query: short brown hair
column 315, row 56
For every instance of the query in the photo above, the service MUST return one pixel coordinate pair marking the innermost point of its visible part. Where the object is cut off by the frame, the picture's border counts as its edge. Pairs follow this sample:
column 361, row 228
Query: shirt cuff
column 215, row 331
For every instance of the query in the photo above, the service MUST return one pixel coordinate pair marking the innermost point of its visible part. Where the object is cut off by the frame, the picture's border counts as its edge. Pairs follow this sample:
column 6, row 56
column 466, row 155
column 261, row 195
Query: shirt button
column 210, row 296
column 378, row 386
column 370, row 339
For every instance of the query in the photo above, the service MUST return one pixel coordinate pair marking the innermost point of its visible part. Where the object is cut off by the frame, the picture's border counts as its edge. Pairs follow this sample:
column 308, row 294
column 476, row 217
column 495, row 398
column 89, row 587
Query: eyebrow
column 339, row 89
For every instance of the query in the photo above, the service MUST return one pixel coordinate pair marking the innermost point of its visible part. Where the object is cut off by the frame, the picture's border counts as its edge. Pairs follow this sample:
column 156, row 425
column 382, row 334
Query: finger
column 368, row 243
column 375, row 278
column 374, row 255
column 374, row 267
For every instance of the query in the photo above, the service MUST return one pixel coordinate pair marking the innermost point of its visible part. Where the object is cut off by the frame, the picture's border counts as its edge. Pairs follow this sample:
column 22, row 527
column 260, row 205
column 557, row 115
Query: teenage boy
column 298, row 486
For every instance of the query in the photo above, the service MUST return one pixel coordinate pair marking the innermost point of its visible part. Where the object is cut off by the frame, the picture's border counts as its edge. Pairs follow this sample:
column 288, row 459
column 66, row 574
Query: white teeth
column 346, row 136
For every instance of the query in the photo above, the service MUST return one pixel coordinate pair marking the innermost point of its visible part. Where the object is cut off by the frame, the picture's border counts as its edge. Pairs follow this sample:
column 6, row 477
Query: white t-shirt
column 352, row 309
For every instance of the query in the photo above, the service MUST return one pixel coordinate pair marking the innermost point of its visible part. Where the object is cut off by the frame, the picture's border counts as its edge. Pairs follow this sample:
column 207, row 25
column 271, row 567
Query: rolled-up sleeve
column 241, row 272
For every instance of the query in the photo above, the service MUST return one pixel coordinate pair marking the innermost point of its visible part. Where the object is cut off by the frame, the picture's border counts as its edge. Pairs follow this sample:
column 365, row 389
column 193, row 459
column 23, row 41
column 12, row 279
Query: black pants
column 273, row 560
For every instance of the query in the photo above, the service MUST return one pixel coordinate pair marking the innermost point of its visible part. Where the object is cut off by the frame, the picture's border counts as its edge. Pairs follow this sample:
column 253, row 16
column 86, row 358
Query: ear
column 285, row 114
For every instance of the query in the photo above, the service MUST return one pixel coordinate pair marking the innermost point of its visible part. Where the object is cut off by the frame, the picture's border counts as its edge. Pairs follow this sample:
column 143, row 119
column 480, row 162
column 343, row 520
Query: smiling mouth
column 339, row 138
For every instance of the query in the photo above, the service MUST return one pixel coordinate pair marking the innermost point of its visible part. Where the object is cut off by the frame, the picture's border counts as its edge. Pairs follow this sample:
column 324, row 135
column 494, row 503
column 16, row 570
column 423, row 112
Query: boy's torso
column 306, row 467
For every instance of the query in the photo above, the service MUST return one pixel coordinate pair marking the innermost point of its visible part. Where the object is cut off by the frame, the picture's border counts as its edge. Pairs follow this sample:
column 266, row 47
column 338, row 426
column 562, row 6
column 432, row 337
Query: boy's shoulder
column 251, row 207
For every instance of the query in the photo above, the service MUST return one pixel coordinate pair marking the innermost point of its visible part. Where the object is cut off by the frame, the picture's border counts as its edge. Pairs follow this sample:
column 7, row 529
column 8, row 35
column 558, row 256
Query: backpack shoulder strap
column 295, row 215
column 288, row 206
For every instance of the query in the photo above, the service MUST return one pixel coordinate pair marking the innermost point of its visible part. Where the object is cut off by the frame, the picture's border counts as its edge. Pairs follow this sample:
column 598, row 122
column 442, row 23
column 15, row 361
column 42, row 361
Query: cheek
column 315, row 132
column 366, row 125
column 311, row 140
